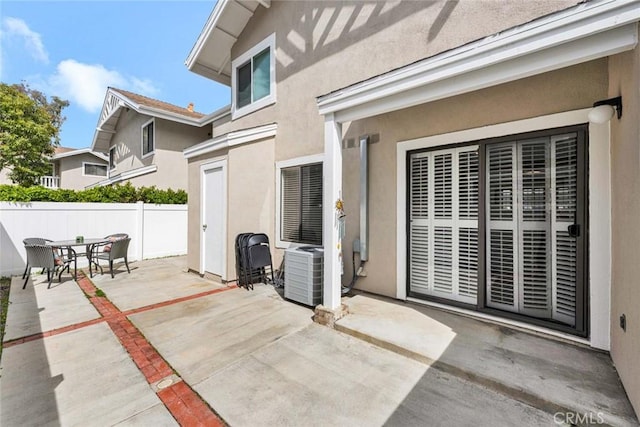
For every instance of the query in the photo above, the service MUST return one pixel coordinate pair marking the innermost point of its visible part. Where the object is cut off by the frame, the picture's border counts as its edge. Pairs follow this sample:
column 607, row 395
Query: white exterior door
column 213, row 202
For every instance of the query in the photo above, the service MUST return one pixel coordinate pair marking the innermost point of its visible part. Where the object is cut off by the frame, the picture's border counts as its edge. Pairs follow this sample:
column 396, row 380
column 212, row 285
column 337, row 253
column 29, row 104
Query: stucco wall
column 251, row 201
column 625, row 194
column 70, row 171
column 563, row 90
column 170, row 139
column 322, row 46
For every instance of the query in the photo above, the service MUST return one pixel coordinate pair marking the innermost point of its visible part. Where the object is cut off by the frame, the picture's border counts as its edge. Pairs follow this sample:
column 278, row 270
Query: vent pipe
column 364, row 198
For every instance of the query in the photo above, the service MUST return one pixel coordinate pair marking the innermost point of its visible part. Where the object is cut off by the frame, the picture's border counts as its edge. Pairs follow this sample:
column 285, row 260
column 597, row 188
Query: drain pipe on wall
column 361, row 244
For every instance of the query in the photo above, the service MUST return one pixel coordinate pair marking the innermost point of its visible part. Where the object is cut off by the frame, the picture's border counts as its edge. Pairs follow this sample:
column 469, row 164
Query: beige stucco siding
column 323, row 46
column 625, row 227
column 71, row 171
column 251, row 201
column 170, row 139
column 563, row 90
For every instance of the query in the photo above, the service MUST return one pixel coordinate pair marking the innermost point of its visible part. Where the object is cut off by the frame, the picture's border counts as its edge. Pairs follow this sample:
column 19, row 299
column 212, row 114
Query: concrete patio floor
column 257, row 359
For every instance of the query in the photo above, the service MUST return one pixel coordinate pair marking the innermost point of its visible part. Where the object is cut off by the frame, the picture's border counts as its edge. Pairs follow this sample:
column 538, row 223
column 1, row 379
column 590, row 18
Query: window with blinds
column 301, row 204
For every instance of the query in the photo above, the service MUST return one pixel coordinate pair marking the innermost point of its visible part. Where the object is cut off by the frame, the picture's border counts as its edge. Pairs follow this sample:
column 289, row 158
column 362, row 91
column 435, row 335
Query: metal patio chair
column 44, row 256
column 33, row 241
column 116, row 249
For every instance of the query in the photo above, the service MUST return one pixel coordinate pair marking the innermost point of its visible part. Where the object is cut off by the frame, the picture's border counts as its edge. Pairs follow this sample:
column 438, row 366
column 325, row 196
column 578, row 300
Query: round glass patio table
column 90, row 243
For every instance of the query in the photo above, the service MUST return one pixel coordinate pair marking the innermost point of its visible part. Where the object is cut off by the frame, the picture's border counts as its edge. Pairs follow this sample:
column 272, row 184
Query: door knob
column 204, row 227
column 574, row 230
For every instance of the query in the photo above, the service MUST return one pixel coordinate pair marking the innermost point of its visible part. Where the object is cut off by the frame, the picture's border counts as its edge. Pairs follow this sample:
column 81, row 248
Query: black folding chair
column 259, row 254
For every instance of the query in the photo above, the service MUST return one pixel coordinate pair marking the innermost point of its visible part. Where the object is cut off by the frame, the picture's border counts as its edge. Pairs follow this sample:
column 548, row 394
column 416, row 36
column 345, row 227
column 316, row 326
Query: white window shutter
column 290, row 208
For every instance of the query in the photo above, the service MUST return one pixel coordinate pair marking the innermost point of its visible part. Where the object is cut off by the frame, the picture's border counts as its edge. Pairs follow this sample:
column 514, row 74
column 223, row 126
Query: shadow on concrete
column 509, row 367
column 27, row 359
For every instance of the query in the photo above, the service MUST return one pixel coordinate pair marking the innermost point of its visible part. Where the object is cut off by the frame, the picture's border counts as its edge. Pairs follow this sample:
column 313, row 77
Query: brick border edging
column 184, row 404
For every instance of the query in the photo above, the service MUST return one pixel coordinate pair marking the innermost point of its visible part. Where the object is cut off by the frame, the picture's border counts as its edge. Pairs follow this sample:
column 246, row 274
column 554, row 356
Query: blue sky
column 76, row 49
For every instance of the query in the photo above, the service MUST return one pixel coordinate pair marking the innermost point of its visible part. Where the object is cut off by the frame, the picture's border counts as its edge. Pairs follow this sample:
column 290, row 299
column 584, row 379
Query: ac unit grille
column 303, row 275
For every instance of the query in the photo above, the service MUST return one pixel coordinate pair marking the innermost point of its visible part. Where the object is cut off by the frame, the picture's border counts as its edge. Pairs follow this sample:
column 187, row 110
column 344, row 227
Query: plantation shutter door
column 419, row 223
column 467, row 226
column 442, row 247
column 533, row 227
column 502, row 241
column 290, row 208
column 564, row 214
column 311, row 230
column 443, row 230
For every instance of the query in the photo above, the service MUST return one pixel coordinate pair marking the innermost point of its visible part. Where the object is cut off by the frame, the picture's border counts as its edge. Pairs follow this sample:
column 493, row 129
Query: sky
column 76, row 49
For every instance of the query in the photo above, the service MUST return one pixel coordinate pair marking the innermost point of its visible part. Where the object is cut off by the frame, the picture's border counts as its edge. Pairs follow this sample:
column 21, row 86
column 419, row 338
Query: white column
column 332, row 188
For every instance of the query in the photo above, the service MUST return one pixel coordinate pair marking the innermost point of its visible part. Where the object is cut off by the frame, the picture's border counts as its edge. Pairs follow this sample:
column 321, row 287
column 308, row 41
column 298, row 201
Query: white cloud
column 14, row 27
column 86, row 84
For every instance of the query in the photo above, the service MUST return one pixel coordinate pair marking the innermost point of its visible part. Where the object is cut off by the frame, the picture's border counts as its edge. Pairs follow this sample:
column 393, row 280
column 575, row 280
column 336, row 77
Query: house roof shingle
column 154, row 103
column 60, row 150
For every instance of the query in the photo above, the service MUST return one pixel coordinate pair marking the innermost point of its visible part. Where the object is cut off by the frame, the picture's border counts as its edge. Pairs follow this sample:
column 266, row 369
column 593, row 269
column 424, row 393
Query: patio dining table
column 90, row 243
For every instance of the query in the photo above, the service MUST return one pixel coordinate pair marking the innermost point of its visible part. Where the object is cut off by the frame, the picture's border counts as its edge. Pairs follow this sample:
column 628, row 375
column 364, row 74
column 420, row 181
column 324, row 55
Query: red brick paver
column 184, row 404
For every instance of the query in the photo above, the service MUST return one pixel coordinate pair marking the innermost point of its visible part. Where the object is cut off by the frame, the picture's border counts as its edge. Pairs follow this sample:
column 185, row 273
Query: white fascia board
column 583, row 33
column 125, row 175
column 231, row 139
column 216, row 115
column 205, row 33
column 78, row 152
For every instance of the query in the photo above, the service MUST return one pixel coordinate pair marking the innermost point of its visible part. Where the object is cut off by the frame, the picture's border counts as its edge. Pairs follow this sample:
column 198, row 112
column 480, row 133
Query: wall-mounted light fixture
column 603, row 111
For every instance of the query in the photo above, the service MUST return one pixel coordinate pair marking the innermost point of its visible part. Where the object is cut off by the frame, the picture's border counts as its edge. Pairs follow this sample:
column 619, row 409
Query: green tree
column 29, row 132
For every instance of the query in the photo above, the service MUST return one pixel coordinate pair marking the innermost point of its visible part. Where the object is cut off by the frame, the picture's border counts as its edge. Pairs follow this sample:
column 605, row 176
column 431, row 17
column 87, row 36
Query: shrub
column 126, row 193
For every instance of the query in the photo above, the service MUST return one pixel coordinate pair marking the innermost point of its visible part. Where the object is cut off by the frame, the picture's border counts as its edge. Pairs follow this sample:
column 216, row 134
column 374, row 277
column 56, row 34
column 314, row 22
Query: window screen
column 254, row 79
column 93, row 169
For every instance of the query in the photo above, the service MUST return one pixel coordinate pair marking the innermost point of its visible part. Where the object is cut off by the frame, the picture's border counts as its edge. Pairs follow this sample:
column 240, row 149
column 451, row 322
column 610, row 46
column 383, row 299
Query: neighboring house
column 144, row 138
column 76, row 169
column 490, row 187
column 72, row 169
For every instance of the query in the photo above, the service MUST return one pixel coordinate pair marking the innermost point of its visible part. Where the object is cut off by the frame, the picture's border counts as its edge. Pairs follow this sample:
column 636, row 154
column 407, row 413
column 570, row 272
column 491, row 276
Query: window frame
column 112, row 160
column 85, row 164
column 242, row 60
column 142, row 128
column 285, row 164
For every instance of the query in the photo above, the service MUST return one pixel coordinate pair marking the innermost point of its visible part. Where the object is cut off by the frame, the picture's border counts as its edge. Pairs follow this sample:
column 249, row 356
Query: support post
column 332, row 187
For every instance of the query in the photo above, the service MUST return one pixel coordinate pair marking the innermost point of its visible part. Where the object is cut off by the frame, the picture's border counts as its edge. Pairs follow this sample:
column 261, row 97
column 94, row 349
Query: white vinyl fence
column 155, row 230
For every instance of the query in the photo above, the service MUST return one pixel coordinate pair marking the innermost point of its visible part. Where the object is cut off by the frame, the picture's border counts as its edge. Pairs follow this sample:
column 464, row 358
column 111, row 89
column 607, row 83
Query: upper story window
column 148, row 140
column 253, row 78
column 112, row 158
column 94, row 169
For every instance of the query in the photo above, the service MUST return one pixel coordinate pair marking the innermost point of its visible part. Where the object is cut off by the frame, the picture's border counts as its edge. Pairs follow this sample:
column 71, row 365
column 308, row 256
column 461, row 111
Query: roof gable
column 211, row 54
column 116, row 99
